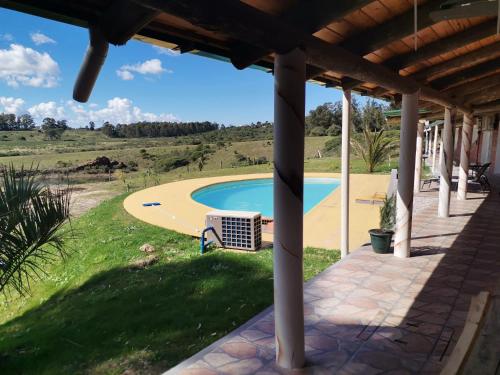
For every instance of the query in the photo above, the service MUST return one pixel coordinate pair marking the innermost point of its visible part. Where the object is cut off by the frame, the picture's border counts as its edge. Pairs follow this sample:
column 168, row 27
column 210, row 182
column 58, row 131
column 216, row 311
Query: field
column 77, row 147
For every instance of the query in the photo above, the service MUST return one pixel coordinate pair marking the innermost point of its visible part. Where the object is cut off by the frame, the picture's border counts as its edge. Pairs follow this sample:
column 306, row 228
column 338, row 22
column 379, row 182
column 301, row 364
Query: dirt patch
column 87, row 196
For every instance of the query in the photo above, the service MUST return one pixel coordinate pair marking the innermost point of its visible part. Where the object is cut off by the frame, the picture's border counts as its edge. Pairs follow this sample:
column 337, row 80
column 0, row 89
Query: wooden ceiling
column 459, row 59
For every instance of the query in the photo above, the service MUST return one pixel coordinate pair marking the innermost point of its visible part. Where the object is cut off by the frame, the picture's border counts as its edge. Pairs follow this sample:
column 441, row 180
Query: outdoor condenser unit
column 235, row 229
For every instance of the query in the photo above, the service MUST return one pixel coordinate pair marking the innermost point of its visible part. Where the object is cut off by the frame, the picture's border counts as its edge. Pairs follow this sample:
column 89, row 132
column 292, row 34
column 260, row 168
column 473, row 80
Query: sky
column 40, row 59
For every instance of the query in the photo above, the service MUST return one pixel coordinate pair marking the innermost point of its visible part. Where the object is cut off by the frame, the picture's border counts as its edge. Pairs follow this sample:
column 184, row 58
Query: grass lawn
column 94, row 314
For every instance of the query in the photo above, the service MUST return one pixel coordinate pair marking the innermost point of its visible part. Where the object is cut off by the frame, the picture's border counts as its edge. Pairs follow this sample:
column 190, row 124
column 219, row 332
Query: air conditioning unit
column 235, row 229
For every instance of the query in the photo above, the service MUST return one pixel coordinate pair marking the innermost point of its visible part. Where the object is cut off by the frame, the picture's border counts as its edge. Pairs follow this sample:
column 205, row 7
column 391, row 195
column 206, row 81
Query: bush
column 170, row 162
column 333, row 146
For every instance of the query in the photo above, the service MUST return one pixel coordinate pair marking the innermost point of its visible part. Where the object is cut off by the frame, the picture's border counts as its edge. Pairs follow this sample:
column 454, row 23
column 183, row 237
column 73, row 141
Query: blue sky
column 40, row 59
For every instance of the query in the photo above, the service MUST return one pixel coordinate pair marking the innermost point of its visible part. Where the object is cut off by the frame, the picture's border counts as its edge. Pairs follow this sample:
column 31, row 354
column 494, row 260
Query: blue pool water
column 257, row 195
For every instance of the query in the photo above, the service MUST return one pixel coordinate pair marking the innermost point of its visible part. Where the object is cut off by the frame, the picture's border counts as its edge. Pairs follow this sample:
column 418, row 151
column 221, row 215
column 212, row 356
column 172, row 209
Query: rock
column 147, row 248
column 140, row 264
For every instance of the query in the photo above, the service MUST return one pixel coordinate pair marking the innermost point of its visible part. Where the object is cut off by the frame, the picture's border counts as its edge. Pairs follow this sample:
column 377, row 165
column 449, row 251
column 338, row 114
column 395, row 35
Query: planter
column 381, row 240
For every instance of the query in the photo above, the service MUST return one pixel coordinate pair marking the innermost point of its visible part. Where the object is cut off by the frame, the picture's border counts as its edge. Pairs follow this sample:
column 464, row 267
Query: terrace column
column 346, row 134
column 289, row 108
column 404, row 199
column 418, row 158
column 434, row 148
column 464, row 157
column 446, row 167
column 426, row 152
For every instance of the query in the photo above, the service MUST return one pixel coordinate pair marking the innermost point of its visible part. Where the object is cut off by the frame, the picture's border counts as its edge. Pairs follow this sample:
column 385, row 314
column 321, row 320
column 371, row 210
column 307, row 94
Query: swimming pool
column 257, row 195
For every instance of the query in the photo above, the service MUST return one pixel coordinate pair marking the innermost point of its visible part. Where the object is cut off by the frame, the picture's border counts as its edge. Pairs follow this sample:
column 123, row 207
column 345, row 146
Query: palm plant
column 31, row 217
column 374, row 147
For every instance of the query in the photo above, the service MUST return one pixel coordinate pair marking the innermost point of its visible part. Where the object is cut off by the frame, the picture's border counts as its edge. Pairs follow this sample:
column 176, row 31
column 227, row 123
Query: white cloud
column 7, row 37
column 117, row 111
column 152, row 67
column 39, row 38
column 47, row 109
column 125, row 75
column 11, row 105
column 166, row 51
column 24, row 66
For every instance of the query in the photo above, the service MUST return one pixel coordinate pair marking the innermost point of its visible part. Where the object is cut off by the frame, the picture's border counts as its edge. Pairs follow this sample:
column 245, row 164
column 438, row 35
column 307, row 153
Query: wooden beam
column 307, row 16
column 239, row 22
column 123, row 19
column 474, row 86
column 460, row 62
column 487, row 107
column 488, row 95
column 397, row 28
column 469, row 74
column 471, row 58
column 444, row 45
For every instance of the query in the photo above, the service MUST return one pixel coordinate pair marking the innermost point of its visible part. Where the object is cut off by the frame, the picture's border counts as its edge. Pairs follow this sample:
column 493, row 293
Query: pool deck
column 373, row 313
column 179, row 212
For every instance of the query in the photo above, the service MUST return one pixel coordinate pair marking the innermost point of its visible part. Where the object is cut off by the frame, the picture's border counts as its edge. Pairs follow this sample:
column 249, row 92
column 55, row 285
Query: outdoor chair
column 429, row 181
column 479, row 176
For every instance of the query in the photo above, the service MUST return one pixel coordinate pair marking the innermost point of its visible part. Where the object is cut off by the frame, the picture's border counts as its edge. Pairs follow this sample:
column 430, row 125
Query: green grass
column 94, row 314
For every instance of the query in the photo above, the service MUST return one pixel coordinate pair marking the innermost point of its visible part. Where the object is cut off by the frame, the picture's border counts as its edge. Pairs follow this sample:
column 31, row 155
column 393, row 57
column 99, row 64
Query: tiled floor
column 375, row 313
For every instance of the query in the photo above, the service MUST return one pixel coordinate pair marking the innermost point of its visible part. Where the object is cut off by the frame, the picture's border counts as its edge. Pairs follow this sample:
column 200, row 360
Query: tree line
column 326, row 119
column 157, row 129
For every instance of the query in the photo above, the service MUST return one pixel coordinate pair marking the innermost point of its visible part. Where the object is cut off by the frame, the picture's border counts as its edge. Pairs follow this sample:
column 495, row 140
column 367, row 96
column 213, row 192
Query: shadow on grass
column 144, row 320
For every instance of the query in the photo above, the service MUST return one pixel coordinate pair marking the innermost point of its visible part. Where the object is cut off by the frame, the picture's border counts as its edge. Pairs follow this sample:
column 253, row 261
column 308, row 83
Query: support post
column 446, row 167
column 404, row 200
column 289, row 108
column 464, row 157
column 434, row 148
column 346, row 135
column 418, row 158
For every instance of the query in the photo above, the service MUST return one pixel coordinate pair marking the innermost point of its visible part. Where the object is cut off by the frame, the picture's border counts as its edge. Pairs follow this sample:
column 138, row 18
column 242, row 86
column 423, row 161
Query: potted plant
column 381, row 238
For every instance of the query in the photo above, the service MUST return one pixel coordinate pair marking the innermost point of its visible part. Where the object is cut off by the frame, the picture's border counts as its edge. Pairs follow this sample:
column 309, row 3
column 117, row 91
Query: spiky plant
column 31, row 217
column 388, row 213
column 374, row 147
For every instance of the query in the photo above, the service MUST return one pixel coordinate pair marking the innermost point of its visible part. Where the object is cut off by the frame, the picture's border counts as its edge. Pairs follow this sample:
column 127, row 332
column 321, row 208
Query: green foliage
column 388, row 213
column 97, row 315
column 31, row 216
column 326, row 119
column 373, row 147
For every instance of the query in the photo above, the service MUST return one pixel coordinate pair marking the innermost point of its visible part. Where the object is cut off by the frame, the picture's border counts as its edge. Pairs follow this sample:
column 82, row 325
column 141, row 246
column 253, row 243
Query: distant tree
column 91, row 125
column 53, row 129
column 322, row 117
column 108, row 129
column 26, row 122
column 373, row 115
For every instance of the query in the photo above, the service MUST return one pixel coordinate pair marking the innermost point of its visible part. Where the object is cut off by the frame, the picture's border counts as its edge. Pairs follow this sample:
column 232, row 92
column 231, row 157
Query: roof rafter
column 394, row 29
column 307, row 16
column 469, row 74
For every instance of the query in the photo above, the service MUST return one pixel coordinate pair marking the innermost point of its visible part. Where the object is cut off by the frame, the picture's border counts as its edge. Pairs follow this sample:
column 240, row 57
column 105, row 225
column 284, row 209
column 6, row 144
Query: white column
column 418, row 158
column 464, row 157
column 289, row 108
column 426, row 142
column 404, row 200
column 446, row 166
column 344, row 188
column 434, row 148
column 429, row 152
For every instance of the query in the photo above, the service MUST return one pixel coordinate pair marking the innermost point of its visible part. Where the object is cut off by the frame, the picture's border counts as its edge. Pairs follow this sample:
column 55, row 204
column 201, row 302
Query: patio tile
column 375, row 313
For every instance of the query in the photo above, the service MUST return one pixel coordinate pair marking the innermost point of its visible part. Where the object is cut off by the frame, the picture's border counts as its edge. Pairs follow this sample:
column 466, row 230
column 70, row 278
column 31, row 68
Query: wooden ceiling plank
column 470, row 88
column 441, row 46
column 472, row 73
column 308, row 16
column 394, row 29
column 462, row 61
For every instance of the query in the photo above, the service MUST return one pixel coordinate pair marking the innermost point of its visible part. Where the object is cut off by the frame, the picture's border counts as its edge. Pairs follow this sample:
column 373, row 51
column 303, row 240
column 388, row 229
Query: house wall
column 496, row 150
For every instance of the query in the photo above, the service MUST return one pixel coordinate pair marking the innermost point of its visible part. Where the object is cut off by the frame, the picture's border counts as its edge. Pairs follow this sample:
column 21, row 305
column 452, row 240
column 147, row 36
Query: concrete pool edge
column 179, row 212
